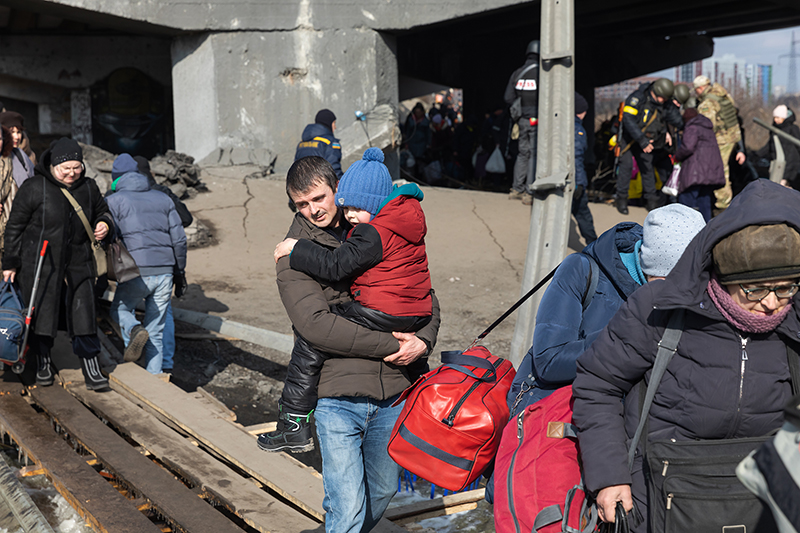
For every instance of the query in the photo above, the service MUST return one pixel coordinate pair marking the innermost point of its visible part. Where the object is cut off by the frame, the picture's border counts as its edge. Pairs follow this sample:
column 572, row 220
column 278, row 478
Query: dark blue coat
column 149, row 225
column 563, row 330
column 580, row 154
column 319, row 140
column 708, row 391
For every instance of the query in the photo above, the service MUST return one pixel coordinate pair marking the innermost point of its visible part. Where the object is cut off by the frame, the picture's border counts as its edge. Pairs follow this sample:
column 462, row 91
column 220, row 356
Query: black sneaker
column 44, row 374
column 136, row 343
column 622, row 206
column 292, row 435
column 95, row 380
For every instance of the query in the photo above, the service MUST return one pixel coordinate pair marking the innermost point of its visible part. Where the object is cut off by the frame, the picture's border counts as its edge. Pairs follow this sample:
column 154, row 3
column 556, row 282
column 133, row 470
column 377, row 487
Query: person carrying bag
column 724, row 387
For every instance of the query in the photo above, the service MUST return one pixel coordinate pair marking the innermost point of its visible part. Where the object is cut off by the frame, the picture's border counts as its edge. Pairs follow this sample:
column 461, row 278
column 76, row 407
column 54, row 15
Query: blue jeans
column 156, row 292
column 358, row 475
column 168, row 340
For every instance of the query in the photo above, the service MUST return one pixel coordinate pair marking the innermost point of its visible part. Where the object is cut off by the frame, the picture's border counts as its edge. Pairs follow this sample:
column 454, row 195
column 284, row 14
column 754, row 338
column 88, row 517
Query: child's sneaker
column 293, row 434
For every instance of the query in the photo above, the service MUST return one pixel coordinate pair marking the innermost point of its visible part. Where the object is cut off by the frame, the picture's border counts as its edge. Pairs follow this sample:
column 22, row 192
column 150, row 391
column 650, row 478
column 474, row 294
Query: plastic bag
column 496, row 164
column 671, row 187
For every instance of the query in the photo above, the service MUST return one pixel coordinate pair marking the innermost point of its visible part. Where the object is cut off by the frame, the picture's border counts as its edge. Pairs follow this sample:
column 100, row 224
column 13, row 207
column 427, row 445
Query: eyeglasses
column 759, row 293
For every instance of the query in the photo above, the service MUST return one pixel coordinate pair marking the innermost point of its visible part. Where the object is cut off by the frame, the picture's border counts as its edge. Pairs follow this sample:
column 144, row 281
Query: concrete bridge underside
column 242, row 78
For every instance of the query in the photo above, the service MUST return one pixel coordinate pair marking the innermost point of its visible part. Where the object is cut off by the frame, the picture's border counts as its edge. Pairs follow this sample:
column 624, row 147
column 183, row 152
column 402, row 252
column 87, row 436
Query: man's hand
column 100, row 231
column 411, row 349
column 9, row 275
column 740, row 157
column 284, row 248
column 669, row 139
column 649, row 148
column 607, row 500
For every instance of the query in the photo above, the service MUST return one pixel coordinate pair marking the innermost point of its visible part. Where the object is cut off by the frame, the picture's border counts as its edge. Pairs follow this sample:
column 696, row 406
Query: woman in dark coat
column 730, row 376
column 784, row 119
column 42, row 212
column 701, row 164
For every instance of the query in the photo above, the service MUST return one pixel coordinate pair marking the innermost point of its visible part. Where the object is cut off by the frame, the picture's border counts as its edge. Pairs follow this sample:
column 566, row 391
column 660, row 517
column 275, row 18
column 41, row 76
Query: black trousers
column 84, row 346
column 302, row 376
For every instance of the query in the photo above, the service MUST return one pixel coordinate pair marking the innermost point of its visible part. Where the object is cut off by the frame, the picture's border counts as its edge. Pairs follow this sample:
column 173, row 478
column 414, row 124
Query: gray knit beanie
column 666, row 233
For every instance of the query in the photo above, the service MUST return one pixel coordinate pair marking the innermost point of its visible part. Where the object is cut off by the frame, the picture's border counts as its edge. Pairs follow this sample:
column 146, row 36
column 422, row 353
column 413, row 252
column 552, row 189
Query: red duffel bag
column 450, row 427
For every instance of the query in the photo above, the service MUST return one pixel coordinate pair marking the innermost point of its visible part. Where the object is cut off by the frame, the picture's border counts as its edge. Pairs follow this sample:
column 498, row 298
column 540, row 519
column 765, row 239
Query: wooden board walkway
column 256, row 507
column 171, row 498
column 105, row 509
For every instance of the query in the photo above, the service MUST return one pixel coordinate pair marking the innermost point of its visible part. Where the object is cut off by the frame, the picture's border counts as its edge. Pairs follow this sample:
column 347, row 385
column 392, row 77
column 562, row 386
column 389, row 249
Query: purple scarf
column 740, row 318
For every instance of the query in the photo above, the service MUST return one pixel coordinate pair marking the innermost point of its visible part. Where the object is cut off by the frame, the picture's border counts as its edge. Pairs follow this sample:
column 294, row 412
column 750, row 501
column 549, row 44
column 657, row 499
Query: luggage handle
column 9, row 287
column 456, row 360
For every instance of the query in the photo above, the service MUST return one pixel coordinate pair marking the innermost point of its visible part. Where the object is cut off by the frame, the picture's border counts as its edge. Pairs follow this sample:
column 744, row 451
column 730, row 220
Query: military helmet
column 663, row 87
column 681, row 93
column 533, row 48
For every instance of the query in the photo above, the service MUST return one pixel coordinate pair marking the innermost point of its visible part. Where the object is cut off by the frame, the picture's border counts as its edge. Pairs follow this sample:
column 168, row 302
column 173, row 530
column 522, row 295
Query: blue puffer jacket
column 149, row 225
column 563, row 330
column 319, row 140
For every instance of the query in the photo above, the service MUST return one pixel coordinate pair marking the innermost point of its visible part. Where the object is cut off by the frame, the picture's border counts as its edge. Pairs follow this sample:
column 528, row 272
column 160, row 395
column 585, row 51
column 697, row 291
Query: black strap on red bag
column 456, row 360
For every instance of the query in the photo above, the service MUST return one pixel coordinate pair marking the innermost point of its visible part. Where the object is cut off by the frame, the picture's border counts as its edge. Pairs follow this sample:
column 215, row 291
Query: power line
column 793, row 54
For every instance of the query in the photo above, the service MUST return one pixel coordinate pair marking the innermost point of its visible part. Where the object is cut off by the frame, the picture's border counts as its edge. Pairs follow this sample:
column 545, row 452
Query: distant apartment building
column 621, row 90
column 737, row 76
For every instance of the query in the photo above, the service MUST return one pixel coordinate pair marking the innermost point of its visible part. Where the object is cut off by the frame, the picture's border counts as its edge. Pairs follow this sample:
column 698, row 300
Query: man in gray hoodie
column 151, row 230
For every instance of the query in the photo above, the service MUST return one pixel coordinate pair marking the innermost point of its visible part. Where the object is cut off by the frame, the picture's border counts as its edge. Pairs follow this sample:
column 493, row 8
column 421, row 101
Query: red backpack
column 450, row 426
column 537, row 476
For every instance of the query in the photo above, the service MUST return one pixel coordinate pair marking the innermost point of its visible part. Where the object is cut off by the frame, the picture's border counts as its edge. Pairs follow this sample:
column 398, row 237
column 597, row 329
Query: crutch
column 18, row 368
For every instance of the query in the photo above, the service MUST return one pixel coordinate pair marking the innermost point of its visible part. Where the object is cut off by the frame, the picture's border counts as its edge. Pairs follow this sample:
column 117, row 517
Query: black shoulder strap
column 667, row 347
column 794, row 368
column 591, row 281
column 18, row 154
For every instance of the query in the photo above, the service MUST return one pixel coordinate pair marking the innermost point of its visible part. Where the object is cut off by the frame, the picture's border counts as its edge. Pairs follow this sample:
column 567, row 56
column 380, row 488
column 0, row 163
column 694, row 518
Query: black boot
column 653, row 203
column 44, row 372
column 292, row 435
column 622, row 205
column 91, row 374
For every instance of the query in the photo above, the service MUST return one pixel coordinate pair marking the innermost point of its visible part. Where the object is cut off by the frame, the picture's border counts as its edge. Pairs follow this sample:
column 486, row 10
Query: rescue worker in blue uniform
column 645, row 116
column 318, row 140
column 522, row 94
column 580, row 198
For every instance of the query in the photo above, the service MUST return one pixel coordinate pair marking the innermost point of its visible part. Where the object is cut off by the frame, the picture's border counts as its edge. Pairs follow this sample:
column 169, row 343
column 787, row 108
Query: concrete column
column 81, row 108
column 246, row 96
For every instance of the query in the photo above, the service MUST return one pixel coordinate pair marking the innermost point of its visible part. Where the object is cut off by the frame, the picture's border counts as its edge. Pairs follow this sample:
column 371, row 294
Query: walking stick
column 33, row 299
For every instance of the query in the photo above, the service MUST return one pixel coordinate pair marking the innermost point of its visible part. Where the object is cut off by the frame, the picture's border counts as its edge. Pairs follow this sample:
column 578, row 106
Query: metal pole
column 555, row 164
column 776, row 131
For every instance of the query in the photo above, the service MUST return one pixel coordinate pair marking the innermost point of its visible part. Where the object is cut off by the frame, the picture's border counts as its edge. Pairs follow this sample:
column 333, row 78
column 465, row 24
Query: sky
column 762, row 48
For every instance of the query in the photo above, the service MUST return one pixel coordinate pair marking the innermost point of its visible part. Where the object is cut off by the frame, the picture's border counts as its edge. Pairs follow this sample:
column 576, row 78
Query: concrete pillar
column 81, row 112
column 244, row 97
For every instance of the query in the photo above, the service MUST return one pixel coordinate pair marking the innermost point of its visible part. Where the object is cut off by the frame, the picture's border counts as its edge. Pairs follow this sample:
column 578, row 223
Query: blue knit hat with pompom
column 366, row 184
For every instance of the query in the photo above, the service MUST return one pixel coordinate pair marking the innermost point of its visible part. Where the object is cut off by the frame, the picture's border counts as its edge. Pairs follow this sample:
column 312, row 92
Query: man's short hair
column 307, row 172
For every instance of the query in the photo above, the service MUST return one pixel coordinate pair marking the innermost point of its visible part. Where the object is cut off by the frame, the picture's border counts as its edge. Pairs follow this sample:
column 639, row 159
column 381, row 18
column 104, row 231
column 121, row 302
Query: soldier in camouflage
column 718, row 106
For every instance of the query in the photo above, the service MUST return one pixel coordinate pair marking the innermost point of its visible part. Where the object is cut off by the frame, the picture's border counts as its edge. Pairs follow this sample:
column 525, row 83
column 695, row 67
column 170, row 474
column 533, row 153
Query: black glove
column 179, row 281
column 578, row 192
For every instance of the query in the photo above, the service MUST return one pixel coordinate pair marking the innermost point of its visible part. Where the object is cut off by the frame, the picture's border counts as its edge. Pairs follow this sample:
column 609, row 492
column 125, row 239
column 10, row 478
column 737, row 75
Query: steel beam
column 555, row 164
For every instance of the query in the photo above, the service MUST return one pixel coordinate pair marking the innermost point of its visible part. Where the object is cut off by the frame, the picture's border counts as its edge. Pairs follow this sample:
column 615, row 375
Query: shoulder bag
column 121, row 265
column 100, row 262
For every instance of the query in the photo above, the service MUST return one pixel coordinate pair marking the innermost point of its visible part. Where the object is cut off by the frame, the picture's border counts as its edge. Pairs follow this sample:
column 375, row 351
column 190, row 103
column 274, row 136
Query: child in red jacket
column 384, row 255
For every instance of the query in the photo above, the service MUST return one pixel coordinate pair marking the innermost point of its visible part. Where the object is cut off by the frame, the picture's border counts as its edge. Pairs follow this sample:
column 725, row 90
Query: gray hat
column 666, row 233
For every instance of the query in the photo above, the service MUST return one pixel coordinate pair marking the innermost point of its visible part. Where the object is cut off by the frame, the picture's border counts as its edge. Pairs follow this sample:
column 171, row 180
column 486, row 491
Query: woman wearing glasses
column 42, row 211
column 730, row 375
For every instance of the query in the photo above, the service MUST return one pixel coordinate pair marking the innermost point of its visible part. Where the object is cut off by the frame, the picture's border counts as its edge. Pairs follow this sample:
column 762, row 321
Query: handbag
column 450, row 426
column 692, row 485
column 100, row 261
column 672, row 187
column 121, row 265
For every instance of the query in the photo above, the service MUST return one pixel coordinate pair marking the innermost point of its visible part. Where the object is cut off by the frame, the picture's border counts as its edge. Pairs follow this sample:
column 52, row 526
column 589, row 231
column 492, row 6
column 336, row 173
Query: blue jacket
column 319, row 140
column 563, row 330
column 149, row 225
column 580, row 153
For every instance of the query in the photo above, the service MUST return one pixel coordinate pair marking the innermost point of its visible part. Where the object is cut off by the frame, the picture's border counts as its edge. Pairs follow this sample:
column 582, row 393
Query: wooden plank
column 18, row 513
column 105, row 509
column 212, row 400
column 441, row 505
column 256, row 507
column 169, row 496
column 258, row 429
column 294, row 484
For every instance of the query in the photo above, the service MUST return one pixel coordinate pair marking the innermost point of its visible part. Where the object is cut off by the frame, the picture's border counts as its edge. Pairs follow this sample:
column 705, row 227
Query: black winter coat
column 791, row 152
column 42, row 212
column 708, row 391
column 701, row 163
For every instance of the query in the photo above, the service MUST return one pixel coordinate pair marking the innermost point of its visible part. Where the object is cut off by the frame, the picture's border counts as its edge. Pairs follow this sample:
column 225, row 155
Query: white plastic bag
column 496, row 164
column 671, row 187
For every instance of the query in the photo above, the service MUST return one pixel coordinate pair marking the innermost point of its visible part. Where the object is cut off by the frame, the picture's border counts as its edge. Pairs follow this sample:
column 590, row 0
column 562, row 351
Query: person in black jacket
column 646, row 114
column 43, row 212
column 523, row 85
column 318, row 140
column 783, row 118
column 729, row 377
